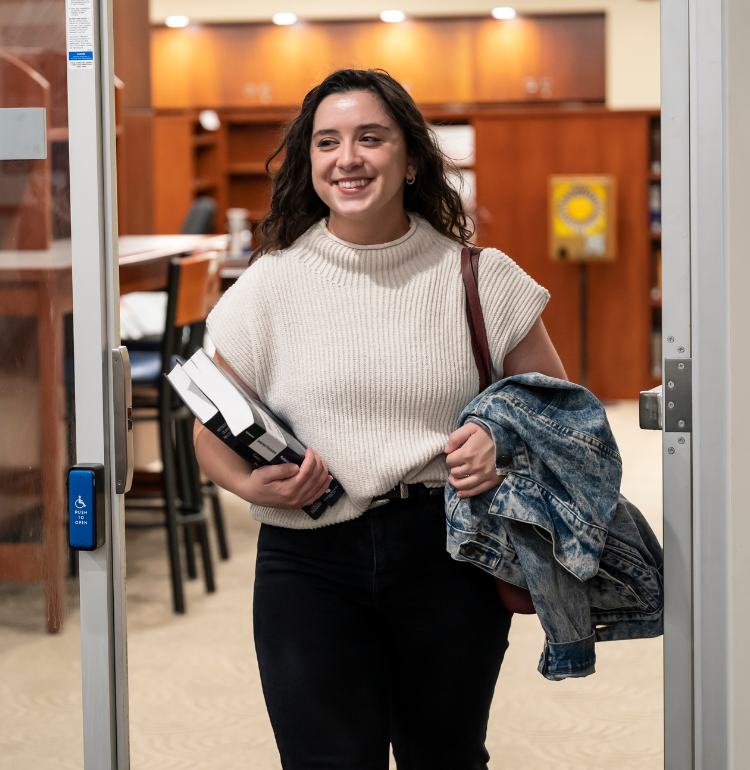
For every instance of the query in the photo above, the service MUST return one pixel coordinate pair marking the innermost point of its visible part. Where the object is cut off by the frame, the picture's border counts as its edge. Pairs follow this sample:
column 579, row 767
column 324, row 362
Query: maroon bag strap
column 477, row 330
column 514, row 598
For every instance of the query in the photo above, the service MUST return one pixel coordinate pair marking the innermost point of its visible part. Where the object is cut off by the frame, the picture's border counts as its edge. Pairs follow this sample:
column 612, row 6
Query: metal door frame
column 676, row 343
column 96, row 325
column 697, row 505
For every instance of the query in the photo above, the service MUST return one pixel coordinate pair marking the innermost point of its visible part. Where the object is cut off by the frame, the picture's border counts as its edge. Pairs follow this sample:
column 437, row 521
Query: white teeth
column 357, row 183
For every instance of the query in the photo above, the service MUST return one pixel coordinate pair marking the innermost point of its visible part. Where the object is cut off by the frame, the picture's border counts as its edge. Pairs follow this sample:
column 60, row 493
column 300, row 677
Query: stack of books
column 242, row 422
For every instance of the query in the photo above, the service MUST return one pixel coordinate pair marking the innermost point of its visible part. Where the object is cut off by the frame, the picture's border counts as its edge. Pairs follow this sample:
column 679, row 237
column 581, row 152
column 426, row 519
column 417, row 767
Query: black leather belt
column 403, row 491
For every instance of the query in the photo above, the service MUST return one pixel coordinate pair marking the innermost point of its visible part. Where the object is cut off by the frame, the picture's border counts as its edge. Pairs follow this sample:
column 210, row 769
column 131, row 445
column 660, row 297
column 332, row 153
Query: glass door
column 62, row 675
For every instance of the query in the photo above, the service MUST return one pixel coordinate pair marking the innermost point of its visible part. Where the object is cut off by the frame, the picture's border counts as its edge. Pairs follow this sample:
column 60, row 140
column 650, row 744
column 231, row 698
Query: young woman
column 351, row 326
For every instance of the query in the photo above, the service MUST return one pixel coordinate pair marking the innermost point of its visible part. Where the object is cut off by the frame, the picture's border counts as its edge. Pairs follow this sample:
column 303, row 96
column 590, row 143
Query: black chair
column 200, row 218
column 178, row 491
column 146, row 357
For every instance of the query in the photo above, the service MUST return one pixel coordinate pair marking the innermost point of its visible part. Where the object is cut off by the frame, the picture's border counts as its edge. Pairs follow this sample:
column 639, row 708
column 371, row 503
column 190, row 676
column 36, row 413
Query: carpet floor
column 195, row 695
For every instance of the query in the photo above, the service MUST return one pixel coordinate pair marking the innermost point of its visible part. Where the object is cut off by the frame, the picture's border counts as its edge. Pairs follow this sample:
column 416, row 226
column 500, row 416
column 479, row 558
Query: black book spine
column 218, row 426
column 239, row 444
column 334, row 491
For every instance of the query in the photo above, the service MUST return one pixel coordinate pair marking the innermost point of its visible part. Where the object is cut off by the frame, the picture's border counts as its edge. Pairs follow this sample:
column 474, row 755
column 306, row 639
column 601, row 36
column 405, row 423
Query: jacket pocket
column 624, row 580
column 608, row 592
column 480, row 554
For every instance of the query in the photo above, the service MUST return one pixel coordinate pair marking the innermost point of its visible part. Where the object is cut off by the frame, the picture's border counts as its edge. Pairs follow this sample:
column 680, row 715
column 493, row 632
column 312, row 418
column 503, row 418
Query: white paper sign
column 80, row 31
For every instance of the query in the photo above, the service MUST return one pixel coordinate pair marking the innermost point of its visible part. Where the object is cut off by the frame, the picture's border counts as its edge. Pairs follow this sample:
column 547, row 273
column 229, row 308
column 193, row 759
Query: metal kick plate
column 678, row 395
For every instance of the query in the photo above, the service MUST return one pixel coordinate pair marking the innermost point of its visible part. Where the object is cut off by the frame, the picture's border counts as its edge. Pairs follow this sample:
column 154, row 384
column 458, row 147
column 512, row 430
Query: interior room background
column 551, row 92
column 564, row 88
column 561, row 89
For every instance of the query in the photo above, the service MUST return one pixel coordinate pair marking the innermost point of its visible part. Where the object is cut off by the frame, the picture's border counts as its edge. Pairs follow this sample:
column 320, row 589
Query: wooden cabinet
column 459, row 61
column 544, row 59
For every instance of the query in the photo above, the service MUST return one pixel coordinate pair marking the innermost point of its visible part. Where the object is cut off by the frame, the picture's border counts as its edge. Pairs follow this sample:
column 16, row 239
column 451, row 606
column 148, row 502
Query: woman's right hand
column 286, row 485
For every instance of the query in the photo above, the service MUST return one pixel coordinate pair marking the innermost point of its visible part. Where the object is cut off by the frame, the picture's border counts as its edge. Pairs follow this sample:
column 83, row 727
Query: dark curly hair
column 295, row 205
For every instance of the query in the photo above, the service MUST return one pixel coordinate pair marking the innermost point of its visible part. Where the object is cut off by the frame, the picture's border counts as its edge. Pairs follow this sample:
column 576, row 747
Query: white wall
column 632, row 28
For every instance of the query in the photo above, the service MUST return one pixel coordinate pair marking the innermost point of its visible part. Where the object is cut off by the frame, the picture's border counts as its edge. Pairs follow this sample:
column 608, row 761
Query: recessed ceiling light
column 392, row 16
column 284, row 18
column 504, row 13
column 177, row 21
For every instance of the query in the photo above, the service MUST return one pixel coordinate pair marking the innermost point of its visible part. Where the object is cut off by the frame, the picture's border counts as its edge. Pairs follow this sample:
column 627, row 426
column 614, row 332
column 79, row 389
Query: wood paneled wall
column 173, row 172
column 516, row 155
column 132, row 53
column 440, row 61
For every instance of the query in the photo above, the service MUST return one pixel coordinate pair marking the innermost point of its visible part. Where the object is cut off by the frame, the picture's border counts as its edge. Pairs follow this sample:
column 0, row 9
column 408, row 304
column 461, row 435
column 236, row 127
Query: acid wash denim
column 558, row 524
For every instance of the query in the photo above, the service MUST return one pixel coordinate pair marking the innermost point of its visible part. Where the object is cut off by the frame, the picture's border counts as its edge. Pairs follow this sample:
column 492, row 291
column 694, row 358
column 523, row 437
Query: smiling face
column 359, row 167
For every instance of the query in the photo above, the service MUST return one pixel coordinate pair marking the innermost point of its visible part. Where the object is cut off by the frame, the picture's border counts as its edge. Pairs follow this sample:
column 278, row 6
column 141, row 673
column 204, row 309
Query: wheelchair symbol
column 79, row 503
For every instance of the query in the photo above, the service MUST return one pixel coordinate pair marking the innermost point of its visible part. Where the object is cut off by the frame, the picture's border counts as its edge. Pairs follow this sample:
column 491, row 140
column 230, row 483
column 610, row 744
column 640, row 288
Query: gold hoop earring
column 412, row 180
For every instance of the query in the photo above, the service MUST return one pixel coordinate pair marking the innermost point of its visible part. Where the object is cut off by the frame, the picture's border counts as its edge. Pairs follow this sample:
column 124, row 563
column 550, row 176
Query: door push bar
column 122, row 391
column 670, row 406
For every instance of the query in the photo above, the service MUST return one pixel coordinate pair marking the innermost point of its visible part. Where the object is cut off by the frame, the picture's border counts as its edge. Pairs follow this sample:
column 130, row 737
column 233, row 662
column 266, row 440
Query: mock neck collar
column 413, row 225
column 341, row 261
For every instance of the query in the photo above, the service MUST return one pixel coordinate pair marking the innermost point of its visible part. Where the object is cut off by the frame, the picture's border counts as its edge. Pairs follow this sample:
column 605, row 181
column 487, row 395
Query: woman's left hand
column 471, row 458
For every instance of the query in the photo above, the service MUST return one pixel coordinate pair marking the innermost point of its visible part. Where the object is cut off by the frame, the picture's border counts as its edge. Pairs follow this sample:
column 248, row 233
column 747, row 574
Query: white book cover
column 271, row 442
column 195, row 399
column 230, row 401
column 235, row 405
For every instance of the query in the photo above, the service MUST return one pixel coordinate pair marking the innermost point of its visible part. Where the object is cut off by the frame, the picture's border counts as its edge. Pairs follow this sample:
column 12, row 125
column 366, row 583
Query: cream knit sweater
column 365, row 352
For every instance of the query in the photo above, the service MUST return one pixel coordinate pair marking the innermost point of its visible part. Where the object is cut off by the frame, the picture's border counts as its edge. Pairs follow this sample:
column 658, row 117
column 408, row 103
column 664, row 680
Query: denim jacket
column 557, row 524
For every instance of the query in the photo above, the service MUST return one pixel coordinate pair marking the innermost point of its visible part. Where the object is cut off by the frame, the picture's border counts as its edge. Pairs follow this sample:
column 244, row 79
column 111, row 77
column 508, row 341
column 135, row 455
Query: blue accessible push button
column 86, row 507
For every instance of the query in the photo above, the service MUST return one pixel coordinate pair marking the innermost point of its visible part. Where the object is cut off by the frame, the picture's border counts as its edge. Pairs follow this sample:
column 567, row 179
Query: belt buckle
column 404, row 489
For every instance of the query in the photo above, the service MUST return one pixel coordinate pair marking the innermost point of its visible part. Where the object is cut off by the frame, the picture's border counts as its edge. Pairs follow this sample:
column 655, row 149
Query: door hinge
column 670, row 406
column 678, row 395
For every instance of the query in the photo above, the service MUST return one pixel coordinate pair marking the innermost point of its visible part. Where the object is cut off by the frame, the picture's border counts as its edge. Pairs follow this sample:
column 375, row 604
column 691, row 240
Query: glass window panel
column 40, row 667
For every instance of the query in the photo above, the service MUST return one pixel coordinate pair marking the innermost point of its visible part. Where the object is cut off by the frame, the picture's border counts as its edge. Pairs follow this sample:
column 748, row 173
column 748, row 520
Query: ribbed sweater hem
column 292, row 518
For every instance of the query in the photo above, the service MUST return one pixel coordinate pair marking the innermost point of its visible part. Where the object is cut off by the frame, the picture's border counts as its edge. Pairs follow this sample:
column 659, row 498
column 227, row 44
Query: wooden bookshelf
column 228, row 164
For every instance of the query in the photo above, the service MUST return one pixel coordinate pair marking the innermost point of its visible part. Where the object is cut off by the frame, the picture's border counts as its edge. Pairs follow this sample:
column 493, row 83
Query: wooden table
column 38, row 284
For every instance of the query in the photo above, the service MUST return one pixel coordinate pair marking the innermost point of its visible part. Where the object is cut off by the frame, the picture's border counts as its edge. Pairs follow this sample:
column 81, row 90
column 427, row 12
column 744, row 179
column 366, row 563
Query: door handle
column 650, row 409
column 122, row 392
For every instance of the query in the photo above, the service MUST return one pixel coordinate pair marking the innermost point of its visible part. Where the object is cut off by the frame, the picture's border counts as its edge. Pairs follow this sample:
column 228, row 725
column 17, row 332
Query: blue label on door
column 81, row 506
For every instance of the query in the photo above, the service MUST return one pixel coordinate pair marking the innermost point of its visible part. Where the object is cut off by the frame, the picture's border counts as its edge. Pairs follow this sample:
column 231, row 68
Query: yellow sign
column 582, row 218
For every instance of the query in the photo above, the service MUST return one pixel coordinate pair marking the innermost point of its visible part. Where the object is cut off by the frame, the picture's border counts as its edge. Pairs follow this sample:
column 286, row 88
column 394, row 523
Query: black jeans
column 368, row 633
